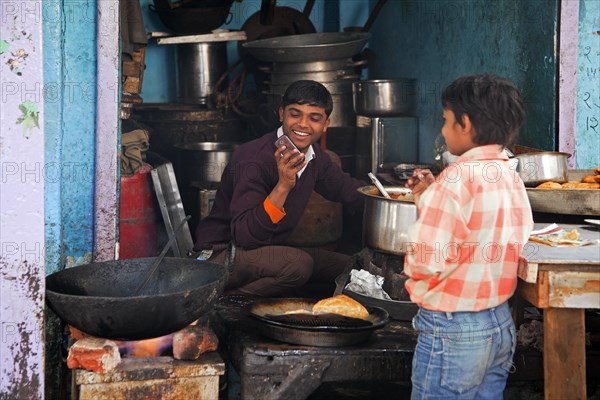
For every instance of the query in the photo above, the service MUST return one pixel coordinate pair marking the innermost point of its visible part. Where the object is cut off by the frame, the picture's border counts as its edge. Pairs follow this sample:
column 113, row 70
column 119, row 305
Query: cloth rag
column 133, row 145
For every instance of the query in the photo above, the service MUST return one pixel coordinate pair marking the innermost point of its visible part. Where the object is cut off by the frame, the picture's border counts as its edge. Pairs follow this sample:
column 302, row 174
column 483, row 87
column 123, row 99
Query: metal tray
column 171, row 207
column 566, row 201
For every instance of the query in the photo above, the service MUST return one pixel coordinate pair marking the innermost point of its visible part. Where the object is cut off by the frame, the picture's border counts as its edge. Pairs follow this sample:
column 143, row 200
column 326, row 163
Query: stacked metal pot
column 323, row 57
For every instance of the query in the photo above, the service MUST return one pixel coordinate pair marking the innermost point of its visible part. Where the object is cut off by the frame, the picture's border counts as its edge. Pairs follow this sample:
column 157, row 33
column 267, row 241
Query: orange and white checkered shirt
column 465, row 246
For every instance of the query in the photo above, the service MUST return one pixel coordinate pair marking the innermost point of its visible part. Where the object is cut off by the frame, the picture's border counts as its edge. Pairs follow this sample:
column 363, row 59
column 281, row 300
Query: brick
column 76, row 334
column 94, row 354
column 193, row 341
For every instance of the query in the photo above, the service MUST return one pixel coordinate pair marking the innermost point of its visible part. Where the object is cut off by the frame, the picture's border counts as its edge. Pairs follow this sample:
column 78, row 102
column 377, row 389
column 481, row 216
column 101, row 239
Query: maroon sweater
column 238, row 213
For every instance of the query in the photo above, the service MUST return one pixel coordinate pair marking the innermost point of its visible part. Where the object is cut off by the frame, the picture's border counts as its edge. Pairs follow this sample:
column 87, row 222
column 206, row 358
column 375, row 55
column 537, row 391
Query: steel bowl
column 386, row 221
column 385, row 97
column 545, row 166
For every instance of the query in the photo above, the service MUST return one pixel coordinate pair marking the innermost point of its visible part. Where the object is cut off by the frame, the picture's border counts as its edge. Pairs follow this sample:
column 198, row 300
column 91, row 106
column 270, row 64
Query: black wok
column 98, row 298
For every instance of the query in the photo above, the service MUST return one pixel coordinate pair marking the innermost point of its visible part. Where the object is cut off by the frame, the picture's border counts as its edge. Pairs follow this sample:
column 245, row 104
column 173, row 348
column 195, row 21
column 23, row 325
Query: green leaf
column 3, row 46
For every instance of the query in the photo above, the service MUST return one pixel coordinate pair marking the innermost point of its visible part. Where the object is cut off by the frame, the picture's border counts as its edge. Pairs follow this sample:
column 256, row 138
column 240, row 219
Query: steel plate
column 308, row 47
column 566, row 201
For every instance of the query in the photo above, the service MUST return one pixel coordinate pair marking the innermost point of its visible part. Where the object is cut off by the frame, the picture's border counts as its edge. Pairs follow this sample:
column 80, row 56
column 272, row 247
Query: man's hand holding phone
column 296, row 157
column 290, row 160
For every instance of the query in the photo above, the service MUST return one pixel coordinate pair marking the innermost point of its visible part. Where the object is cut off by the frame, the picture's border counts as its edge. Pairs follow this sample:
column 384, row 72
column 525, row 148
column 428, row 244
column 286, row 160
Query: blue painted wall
column 69, row 41
column 437, row 41
column 70, row 101
column 588, row 85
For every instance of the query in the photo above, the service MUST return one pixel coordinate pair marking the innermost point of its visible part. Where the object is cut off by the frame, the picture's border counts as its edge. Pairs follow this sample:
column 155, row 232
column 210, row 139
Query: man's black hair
column 493, row 104
column 308, row 92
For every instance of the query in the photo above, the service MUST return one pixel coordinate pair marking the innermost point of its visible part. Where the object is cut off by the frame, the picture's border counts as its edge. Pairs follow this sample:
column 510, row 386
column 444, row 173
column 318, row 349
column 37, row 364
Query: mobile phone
column 284, row 140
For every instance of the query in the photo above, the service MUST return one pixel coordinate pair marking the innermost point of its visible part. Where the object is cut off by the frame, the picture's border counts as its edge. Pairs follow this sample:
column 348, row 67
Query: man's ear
column 280, row 114
column 326, row 125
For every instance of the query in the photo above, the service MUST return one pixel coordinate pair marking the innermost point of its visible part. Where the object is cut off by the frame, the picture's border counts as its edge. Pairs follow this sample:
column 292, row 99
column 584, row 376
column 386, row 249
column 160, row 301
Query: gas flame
column 154, row 347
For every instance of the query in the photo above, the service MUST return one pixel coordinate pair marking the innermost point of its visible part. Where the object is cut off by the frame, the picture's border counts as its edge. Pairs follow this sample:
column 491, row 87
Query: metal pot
column 315, row 66
column 384, row 97
column 98, row 298
column 205, row 161
column 199, row 67
column 545, row 166
column 322, row 76
column 385, row 221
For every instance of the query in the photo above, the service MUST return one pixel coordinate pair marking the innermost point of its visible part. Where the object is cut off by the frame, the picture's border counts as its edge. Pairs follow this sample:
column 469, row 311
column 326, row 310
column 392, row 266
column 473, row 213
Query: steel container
column 205, row 161
column 385, row 97
column 386, row 221
column 546, row 166
column 199, row 67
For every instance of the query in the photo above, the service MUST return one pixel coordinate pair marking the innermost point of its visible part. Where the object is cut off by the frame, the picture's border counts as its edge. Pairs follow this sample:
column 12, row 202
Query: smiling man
column 264, row 191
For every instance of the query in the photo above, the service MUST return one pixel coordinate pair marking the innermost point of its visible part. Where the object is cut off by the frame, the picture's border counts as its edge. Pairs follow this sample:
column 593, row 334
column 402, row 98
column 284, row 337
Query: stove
column 180, row 365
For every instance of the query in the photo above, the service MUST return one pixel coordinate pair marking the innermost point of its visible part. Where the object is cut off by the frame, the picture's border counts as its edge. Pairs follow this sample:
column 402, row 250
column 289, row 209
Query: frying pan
column 98, row 298
column 263, row 311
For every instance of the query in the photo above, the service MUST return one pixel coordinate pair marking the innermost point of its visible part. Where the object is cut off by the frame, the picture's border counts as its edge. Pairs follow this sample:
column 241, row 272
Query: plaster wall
column 22, row 185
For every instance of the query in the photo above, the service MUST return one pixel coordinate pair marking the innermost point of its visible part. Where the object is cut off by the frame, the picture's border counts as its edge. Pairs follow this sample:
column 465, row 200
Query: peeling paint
column 22, row 339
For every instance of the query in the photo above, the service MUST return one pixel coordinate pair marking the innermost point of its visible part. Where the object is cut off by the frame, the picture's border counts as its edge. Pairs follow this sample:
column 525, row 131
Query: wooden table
column 563, row 281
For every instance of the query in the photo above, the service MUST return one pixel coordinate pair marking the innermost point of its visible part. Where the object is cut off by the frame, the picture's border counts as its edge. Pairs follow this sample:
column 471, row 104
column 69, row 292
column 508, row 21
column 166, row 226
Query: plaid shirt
column 473, row 223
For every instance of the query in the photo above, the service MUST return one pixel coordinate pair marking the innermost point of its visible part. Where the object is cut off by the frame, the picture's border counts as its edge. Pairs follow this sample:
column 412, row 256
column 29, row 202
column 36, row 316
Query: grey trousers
column 283, row 271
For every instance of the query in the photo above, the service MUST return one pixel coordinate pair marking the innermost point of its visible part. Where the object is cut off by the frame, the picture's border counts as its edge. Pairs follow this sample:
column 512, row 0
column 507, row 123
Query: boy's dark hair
column 493, row 104
column 308, row 92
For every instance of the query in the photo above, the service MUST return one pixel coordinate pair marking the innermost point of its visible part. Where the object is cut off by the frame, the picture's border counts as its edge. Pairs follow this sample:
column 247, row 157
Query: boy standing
column 474, row 220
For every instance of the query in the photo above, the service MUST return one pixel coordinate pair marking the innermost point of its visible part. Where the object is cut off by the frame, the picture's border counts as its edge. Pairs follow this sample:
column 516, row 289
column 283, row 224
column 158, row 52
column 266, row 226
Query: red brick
column 76, row 334
column 94, row 354
column 194, row 340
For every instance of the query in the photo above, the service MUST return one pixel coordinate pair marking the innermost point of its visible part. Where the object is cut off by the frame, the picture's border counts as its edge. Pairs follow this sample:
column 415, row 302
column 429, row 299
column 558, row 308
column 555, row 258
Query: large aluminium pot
column 205, row 161
column 386, row 221
column 385, row 97
column 99, row 298
column 199, row 67
column 540, row 167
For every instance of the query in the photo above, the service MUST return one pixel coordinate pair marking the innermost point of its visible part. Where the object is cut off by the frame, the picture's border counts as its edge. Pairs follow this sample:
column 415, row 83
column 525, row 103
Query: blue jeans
column 463, row 355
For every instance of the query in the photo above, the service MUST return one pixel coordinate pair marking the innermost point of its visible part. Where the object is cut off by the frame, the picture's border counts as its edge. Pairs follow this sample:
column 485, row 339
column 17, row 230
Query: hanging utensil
column 379, row 185
column 162, row 254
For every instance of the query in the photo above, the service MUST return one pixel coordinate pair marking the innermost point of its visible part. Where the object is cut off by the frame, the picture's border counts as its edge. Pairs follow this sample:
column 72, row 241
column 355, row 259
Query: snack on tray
column 554, row 236
column 591, row 179
column 572, row 235
column 570, row 185
column 588, row 186
column 549, row 185
column 343, row 305
column 597, row 170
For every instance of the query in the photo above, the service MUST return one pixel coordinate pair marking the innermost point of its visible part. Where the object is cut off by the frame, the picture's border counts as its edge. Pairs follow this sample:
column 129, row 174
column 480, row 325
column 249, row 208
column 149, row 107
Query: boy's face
column 458, row 138
column 304, row 124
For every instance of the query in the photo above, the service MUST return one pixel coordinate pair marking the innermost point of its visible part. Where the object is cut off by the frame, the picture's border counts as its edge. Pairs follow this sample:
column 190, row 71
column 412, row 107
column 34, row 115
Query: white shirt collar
column 310, row 153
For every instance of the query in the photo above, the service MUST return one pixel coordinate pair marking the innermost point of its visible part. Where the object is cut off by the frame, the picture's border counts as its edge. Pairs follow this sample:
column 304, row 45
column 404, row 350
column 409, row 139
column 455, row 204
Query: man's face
column 304, row 124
